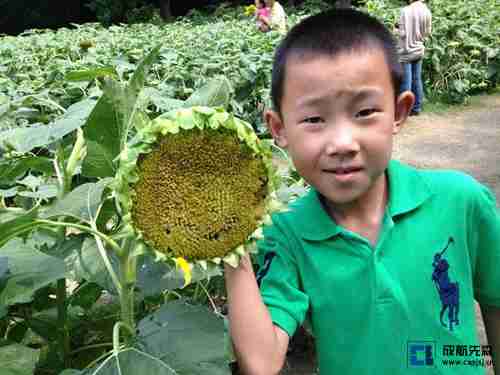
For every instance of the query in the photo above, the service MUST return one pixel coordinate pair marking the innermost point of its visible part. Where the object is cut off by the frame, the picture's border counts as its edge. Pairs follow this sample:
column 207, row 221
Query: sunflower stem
column 128, row 278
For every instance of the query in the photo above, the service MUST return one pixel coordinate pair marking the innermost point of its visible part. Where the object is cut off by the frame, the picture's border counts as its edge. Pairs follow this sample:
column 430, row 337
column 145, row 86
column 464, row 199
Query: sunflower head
column 250, row 10
column 197, row 185
column 86, row 44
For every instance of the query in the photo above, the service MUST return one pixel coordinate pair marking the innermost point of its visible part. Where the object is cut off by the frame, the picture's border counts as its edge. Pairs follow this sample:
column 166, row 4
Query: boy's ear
column 404, row 104
column 276, row 127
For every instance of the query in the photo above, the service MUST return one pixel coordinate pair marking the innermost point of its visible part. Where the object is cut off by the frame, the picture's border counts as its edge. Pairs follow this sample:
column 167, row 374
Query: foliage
column 33, row 68
column 463, row 55
column 144, row 13
column 113, row 11
column 63, row 242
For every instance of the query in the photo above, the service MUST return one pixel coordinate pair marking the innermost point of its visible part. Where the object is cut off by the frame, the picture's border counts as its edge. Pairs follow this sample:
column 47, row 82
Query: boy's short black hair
column 331, row 33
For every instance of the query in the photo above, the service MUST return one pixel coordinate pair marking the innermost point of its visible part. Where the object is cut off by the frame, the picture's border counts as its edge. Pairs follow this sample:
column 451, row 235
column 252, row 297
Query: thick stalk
column 61, row 300
column 128, row 278
column 62, row 322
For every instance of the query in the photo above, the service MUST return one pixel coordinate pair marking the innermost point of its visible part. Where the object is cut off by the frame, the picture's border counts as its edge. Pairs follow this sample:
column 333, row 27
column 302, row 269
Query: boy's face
column 339, row 119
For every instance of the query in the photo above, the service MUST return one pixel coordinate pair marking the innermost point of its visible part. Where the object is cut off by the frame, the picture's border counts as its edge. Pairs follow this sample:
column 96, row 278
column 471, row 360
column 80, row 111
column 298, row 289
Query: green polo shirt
column 377, row 310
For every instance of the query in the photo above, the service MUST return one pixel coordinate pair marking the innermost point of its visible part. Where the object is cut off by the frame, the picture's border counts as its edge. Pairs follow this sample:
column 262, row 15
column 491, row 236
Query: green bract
column 197, row 184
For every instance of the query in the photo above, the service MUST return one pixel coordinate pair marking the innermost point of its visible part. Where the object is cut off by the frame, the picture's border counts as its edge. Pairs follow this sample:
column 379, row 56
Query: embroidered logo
column 448, row 291
column 268, row 258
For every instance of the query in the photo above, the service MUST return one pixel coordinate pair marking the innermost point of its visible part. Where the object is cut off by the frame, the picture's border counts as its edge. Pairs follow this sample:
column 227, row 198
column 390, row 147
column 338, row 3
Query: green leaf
column 81, row 203
column 188, row 338
column 68, row 250
column 86, row 263
column 108, row 125
column 90, row 74
column 132, row 361
column 131, row 105
column 102, row 133
column 30, row 270
column 14, row 225
column 18, row 359
column 70, row 371
column 17, row 332
column 44, row 191
column 139, row 77
column 27, row 138
column 86, row 295
column 155, row 277
column 163, row 103
column 31, row 182
column 44, row 324
column 4, row 266
column 107, row 214
column 216, row 93
column 13, row 169
column 7, row 193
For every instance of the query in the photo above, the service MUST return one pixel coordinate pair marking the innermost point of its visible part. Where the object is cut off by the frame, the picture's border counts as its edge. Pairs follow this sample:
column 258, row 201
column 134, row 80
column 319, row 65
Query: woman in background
column 277, row 18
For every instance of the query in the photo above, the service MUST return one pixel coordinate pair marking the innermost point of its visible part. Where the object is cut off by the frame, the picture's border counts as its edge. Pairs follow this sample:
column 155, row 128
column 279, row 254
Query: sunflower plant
column 140, row 206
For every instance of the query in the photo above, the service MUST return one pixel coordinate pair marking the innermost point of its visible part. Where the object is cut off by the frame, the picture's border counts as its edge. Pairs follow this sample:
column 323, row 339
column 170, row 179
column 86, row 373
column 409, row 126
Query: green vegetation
column 463, row 53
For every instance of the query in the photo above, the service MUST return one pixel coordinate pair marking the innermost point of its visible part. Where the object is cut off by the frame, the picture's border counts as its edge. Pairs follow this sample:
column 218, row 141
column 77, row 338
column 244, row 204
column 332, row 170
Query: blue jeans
column 412, row 81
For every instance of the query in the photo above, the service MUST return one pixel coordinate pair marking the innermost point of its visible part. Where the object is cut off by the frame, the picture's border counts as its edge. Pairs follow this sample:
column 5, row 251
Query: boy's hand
column 259, row 345
column 491, row 316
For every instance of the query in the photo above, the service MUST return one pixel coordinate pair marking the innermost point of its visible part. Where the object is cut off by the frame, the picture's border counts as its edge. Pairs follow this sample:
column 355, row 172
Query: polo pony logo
column 448, row 291
column 268, row 258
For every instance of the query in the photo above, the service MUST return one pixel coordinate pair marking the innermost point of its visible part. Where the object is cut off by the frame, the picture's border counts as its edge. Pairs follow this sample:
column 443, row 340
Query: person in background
column 262, row 11
column 277, row 18
column 414, row 26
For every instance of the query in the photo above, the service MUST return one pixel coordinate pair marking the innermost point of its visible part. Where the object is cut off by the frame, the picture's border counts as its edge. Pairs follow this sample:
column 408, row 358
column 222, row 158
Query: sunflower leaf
column 29, row 270
column 25, row 139
column 18, row 359
column 81, row 203
column 216, row 93
column 176, row 326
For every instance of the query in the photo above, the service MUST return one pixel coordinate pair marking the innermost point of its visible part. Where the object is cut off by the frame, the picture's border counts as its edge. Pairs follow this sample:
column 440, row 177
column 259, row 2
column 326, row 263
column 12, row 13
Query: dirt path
column 467, row 139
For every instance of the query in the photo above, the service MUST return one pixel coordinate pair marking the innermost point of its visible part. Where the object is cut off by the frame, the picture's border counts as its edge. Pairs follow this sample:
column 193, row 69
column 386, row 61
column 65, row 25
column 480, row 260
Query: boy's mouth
column 344, row 170
column 345, row 175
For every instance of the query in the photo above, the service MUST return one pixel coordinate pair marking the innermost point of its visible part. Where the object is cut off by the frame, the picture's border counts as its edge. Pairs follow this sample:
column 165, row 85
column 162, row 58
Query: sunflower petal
column 184, row 266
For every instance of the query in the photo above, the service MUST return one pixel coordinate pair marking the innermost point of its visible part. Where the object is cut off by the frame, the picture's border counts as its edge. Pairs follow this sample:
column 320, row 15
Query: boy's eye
column 313, row 120
column 366, row 112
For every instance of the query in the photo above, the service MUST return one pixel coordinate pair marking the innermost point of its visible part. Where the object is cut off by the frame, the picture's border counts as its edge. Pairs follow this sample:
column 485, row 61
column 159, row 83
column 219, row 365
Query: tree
column 343, row 4
column 165, row 9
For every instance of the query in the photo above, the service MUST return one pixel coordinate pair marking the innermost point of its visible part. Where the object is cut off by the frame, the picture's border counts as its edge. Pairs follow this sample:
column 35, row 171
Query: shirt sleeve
column 278, row 18
column 486, row 238
column 279, row 281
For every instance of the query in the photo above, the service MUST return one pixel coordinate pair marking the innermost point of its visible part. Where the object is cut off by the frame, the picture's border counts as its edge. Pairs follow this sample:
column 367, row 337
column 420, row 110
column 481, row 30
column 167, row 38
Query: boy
column 383, row 259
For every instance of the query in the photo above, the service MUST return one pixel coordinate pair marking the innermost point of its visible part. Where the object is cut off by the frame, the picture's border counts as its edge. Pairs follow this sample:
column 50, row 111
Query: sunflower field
column 134, row 163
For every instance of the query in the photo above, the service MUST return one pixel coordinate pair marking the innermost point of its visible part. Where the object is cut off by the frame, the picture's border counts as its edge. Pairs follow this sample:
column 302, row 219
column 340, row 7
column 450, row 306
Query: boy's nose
column 341, row 141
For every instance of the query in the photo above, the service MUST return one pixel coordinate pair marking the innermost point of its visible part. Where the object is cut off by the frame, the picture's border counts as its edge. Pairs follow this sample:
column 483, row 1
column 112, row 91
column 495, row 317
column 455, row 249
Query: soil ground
column 466, row 139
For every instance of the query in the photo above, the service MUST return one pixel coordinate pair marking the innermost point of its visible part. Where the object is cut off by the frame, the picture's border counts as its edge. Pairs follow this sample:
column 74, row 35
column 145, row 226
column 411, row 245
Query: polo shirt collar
column 407, row 191
column 313, row 222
